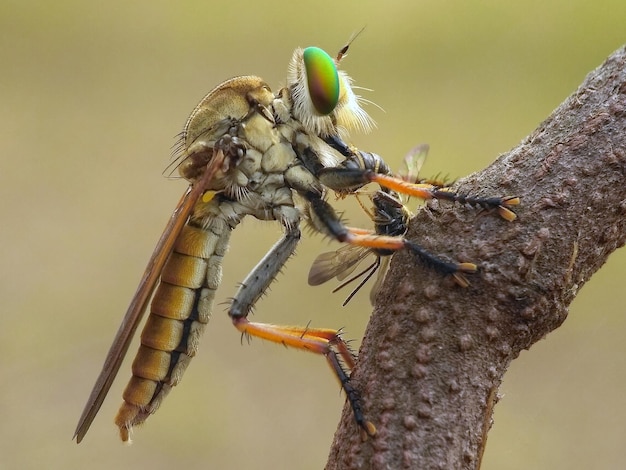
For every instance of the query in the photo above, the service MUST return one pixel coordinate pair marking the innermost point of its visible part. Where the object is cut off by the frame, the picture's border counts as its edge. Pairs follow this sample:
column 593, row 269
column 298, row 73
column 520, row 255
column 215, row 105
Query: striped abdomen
column 179, row 312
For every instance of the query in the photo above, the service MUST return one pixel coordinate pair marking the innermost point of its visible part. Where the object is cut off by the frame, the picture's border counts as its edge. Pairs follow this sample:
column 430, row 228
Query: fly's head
column 217, row 123
column 320, row 96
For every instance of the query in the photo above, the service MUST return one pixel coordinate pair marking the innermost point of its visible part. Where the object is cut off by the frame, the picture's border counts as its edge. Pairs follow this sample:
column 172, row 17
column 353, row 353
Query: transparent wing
column 413, row 162
column 340, row 264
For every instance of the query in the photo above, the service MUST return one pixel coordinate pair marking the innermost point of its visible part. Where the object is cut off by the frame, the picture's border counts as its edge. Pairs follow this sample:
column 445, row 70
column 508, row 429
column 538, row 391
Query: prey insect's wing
column 339, row 263
column 144, row 291
column 413, row 162
column 342, row 263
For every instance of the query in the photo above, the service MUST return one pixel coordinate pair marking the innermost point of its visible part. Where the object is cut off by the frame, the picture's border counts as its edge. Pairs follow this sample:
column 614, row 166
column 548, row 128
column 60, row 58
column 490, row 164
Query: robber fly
column 247, row 151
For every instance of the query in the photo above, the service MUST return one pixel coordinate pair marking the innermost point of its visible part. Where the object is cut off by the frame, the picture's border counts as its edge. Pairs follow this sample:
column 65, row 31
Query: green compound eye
column 322, row 79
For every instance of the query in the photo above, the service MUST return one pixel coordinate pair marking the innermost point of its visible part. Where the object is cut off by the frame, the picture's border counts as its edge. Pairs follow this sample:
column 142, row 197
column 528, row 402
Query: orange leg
column 339, row 179
column 428, row 191
column 323, row 341
column 327, row 221
column 326, row 342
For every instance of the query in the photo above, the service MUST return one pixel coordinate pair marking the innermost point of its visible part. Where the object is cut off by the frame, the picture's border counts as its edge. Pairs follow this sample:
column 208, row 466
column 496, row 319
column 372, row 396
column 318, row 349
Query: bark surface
column 434, row 354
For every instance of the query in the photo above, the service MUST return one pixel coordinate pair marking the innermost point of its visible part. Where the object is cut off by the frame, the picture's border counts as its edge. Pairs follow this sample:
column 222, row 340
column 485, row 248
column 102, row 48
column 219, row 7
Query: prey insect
column 390, row 217
column 249, row 152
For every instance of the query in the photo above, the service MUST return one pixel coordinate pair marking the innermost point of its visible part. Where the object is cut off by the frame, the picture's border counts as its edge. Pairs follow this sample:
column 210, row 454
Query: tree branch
column 435, row 354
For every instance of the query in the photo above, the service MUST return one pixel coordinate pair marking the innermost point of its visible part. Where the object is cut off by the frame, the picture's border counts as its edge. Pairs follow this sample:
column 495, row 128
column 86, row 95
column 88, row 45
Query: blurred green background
column 92, row 95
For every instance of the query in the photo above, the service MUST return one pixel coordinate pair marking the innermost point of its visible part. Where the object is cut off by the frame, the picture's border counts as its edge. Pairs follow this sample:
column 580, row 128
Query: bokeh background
column 91, row 97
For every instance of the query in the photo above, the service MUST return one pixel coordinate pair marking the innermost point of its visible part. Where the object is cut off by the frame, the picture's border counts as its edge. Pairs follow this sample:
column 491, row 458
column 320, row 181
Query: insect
column 249, row 152
column 390, row 217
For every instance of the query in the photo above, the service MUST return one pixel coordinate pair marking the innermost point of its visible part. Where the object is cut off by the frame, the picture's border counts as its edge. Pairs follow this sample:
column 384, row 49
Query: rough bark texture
column 434, row 354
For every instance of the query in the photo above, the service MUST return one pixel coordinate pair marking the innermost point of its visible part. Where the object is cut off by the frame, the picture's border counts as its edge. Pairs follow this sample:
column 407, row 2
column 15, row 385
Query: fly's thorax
column 259, row 184
column 258, row 132
column 230, row 107
column 282, row 106
column 232, row 99
column 268, row 156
